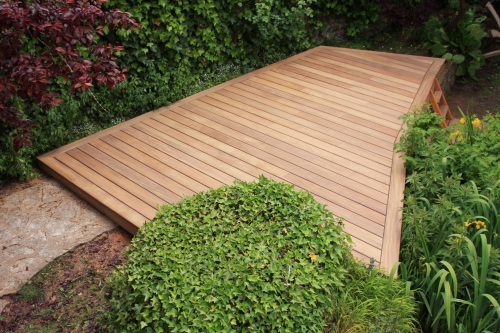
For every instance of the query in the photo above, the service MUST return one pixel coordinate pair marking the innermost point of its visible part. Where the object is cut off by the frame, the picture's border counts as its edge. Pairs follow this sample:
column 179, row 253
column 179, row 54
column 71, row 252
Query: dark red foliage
column 41, row 40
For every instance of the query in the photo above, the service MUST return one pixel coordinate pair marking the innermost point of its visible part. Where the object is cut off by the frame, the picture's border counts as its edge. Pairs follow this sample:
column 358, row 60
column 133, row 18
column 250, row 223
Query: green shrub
column 248, row 257
column 453, row 175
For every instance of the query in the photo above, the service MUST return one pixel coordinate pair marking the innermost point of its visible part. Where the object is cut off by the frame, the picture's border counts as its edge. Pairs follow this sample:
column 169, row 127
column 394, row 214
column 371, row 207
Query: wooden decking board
column 203, row 161
column 395, row 95
column 348, row 65
column 339, row 90
column 113, row 190
column 394, row 60
column 341, row 98
column 296, row 116
column 230, row 137
column 215, row 145
column 140, row 197
column 361, row 76
column 245, row 149
column 322, row 114
column 196, row 181
column 138, row 170
column 281, row 114
column 327, row 100
column 324, row 92
column 104, row 156
column 370, row 63
column 291, row 145
column 190, row 166
column 286, row 127
column 178, row 182
column 324, row 120
column 394, row 75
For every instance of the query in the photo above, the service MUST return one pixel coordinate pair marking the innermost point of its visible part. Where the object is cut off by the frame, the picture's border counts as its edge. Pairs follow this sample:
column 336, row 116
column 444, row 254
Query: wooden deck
column 325, row 120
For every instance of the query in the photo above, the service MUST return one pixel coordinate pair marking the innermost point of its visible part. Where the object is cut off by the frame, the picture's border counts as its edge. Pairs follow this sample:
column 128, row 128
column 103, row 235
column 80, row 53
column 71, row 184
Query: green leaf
column 438, row 49
column 448, row 56
column 458, row 59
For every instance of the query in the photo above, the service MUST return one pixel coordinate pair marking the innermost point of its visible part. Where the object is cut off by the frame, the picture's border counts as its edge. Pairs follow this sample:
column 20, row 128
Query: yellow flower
column 457, row 133
column 462, row 121
column 477, row 224
column 477, row 123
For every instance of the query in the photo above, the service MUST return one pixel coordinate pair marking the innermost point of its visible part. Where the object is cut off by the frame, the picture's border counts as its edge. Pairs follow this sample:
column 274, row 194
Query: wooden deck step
column 439, row 103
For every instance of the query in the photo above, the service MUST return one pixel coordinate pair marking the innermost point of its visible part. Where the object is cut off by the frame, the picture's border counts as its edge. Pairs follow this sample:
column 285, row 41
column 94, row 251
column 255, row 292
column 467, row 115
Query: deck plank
column 325, row 112
column 295, row 115
column 324, row 120
column 286, row 160
column 281, row 125
column 278, row 116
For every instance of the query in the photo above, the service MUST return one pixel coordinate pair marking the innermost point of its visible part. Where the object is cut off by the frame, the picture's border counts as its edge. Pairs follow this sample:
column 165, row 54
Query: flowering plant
column 451, row 220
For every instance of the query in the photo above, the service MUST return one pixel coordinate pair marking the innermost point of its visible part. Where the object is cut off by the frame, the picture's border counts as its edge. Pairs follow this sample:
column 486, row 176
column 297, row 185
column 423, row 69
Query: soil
column 477, row 97
column 69, row 294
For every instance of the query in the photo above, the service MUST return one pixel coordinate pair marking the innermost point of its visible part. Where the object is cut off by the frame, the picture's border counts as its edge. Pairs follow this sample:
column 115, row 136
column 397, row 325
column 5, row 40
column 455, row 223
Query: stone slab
column 38, row 224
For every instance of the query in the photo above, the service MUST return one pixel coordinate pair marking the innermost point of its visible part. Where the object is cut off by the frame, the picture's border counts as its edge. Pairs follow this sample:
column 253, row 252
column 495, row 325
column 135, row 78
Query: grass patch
column 31, row 293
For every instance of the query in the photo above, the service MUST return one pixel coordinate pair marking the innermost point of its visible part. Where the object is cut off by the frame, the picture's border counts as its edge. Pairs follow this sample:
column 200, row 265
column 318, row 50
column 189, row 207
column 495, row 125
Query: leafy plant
column 462, row 45
column 373, row 302
column 201, row 34
column 248, row 257
column 461, row 294
column 451, row 220
column 37, row 47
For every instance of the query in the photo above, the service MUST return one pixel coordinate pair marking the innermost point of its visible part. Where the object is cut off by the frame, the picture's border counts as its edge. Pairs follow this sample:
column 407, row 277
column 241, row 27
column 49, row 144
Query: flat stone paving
column 38, row 224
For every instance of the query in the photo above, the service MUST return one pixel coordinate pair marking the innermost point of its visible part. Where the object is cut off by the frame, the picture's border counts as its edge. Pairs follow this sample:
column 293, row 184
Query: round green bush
column 252, row 257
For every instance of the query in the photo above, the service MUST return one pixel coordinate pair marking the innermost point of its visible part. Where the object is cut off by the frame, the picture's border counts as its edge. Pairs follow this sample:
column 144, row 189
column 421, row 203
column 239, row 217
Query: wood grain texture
column 325, row 120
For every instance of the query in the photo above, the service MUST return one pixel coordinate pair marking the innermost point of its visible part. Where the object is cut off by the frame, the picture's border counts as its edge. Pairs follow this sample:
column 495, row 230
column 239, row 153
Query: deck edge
column 94, row 202
column 393, row 226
